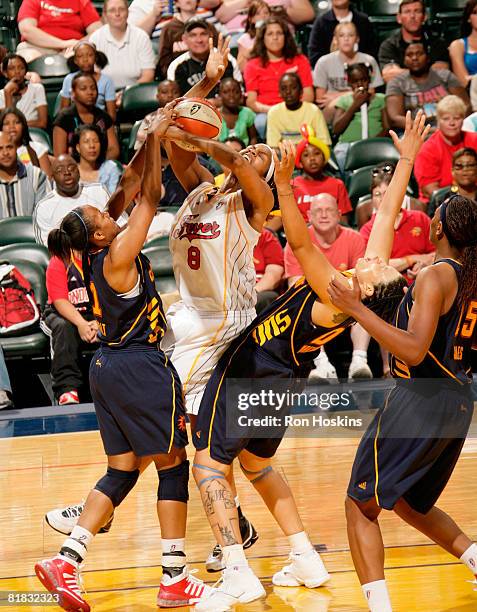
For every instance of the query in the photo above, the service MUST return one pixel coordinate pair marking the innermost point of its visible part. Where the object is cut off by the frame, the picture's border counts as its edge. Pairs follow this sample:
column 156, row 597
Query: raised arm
column 382, row 234
column 129, row 185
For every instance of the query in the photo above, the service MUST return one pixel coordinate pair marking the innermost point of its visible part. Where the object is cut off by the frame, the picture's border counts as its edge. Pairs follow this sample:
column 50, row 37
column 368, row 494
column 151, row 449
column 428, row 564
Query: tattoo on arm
column 339, row 317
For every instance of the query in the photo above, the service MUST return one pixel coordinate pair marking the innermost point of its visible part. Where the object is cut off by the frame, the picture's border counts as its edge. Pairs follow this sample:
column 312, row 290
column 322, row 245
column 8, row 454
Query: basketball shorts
column 195, row 341
column 248, row 362
column 138, row 400
column 411, row 447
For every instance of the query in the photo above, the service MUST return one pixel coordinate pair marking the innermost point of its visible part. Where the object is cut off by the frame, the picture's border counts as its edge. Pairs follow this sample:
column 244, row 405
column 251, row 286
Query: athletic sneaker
column 237, row 585
column 323, row 369
column 249, row 535
column 182, row 590
column 64, row 519
column 359, row 368
column 68, row 397
column 306, row 568
column 61, row 577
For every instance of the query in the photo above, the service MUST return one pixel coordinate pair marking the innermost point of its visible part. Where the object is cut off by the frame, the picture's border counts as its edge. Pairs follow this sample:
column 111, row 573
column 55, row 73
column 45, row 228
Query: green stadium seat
column 39, row 135
column 436, row 199
column 446, row 16
column 370, row 152
column 50, row 66
column 358, row 184
column 160, row 258
column 16, row 229
column 138, row 100
column 36, row 253
column 132, row 139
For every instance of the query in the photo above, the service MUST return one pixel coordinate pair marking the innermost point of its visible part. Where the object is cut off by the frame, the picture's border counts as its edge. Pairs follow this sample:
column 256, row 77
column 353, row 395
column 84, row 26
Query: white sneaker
column 359, row 368
column 323, row 369
column 215, row 561
column 307, row 569
column 235, row 586
column 64, row 519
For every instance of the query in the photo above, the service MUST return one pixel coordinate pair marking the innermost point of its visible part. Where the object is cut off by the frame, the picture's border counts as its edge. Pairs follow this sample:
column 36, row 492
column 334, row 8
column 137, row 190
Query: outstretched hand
column 218, row 58
column 347, row 299
column 415, row 134
column 284, row 167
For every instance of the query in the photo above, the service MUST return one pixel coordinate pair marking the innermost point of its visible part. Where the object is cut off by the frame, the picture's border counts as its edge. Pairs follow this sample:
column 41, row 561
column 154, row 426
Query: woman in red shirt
column 274, row 53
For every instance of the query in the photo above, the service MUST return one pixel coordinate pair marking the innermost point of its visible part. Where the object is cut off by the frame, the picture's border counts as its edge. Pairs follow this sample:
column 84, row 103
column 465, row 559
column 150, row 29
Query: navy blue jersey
column 449, row 353
column 77, row 293
column 126, row 321
column 286, row 332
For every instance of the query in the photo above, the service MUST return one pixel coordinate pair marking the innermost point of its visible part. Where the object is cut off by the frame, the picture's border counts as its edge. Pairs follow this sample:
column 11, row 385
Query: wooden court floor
column 122, row 571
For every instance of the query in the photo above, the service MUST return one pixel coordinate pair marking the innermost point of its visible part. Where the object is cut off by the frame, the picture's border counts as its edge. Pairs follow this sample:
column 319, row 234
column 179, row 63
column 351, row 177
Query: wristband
column 408, row 159
column 287, row 193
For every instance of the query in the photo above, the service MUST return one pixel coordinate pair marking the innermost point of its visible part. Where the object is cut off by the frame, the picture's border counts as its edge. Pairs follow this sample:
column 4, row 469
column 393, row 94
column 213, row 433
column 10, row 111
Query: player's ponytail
column 459, row 223
column 73, row 234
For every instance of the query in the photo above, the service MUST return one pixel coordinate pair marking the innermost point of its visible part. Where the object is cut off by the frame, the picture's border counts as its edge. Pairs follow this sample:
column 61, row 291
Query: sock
column 321, row 357
column 237, row 505
column 173, row 556
column 233, row 555
column 300, row 543
column 469, row 558
column 358, row 354
column 75, row 547
column 377, row 596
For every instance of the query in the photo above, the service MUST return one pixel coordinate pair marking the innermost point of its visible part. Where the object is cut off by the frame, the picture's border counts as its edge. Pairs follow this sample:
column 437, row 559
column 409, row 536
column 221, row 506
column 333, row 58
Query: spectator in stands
column 5, row 385
column 274, row 53
column 128, row 48
column 28, row 97
column 360, row 114
column 411, row 17
column 85, row 59
column 464, row 178
column 189, row 68
column 342, row 246
column 89, row 150
column 258, row 12
column 83, row 110
column 268, row 261
column 312, row 155
column 237, row 120
column 324, row 26
column 286, row 118
column 230, row 13
column 420, row 87
column 14, row 124
column 21, row 186
column 330, row 76
column 3, row 52
column 166, row 92
column 365, row 209
column 67, row 195
column 463, row 51
column 54, row 26
column 171, row 44
column 433, row 166
column 69, row 322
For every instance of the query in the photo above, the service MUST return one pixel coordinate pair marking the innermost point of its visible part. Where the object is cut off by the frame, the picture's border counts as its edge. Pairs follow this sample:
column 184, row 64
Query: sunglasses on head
column 387, row 169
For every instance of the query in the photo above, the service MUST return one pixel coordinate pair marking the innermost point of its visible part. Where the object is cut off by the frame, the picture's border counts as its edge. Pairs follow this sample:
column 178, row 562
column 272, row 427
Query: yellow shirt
column 284, row 124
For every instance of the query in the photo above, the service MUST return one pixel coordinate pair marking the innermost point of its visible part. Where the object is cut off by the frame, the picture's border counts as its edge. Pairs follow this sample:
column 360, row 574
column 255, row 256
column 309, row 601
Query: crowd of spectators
column 344, row 84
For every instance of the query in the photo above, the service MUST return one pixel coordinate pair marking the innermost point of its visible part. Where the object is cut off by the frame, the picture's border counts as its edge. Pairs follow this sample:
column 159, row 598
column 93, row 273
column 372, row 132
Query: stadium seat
column 160, row 258
column 165, row 284
column 42, row 136
column 446, row 16
column 370, row 152
column 436, row 197
column 16, row 229
column 35, row 253
column 132, row 140
column 161, row 242
column 50, row 66
column 358, row 184
column 138, row 100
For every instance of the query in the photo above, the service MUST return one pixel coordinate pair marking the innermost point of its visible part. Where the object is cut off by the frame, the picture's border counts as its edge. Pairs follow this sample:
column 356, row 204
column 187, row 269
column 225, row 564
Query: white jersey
column 212, row 244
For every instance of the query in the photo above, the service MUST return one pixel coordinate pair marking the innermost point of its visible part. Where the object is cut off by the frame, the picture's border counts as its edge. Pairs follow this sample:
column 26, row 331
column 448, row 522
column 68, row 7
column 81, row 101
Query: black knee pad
column 116, row 484
column 174, row 483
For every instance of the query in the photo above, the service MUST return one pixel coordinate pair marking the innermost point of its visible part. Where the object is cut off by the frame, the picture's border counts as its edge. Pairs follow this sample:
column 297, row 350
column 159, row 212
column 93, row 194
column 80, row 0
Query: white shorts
column 195, row 340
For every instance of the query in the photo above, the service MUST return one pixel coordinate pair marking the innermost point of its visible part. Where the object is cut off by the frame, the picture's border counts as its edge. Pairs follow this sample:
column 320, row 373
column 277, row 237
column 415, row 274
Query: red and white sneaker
column 61, row 577
column 68, row 397
column 182, row 590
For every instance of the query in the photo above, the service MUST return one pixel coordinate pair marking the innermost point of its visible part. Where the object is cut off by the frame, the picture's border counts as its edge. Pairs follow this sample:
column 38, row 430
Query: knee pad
column 174, row 483
column 116, row 484
column 254, row 477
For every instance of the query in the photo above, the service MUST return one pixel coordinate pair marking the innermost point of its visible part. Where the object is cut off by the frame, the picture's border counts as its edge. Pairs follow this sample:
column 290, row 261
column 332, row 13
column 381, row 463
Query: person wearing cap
column 312, row 155
column 285, row 118
column 129, row 51
column 189, row 68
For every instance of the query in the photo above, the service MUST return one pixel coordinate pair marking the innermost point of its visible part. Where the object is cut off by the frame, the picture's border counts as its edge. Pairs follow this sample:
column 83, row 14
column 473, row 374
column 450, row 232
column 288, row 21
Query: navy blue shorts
column 138, row 400
column 411, row 447
column 249, row 362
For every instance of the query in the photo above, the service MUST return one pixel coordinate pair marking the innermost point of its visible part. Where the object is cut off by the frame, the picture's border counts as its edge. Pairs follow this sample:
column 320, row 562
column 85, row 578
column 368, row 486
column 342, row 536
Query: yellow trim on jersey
column 294, row 327
column 131, row 328
column 80, row 270
column 443, row 367
column 173, row 412
column 457, row 329
column 143, row 275
column 376, row 465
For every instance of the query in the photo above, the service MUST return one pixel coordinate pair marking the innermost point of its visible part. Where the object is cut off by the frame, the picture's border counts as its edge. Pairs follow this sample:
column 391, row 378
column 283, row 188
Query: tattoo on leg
column 216, row 492
column 227, row 535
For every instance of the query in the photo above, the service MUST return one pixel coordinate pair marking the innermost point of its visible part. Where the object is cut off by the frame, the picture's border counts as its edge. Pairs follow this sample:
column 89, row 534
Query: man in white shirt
column 67, row 195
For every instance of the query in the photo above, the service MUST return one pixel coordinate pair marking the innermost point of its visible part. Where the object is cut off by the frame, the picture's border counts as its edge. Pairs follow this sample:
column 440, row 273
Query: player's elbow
column 415, row 356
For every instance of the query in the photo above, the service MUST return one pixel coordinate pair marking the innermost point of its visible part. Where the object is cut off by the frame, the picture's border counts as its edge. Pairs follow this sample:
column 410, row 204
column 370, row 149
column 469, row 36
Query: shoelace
column 193, row 578
column 73, row 511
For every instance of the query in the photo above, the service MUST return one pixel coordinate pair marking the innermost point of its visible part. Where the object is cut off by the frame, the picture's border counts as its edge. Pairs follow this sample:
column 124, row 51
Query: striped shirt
column 20, row 195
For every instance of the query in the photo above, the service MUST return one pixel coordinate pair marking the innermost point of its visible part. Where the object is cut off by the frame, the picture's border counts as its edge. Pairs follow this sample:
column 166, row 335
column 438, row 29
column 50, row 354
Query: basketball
column 198, row 117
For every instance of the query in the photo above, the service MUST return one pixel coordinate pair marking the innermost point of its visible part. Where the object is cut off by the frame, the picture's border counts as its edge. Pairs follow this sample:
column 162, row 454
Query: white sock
column 234, row 556
column 359, row 354
column 173, row 546
column 300, row 543
column 237, row 501
column 321, row 357
column 469, row 558
column 377, row 596
column 79, row 540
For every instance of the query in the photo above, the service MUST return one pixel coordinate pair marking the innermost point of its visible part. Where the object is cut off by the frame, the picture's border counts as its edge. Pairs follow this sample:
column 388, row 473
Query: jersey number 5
column 193, row 258
column 468, row 325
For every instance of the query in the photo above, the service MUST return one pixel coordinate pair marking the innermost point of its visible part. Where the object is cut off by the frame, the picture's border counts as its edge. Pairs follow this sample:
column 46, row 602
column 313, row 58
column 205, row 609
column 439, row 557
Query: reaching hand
column 163, row 119
column 284, row 167
column 415, row 134
column 343, row 297
column 218, row 58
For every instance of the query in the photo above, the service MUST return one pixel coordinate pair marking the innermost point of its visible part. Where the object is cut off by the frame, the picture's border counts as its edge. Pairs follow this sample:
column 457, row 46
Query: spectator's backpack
column 18, row 308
